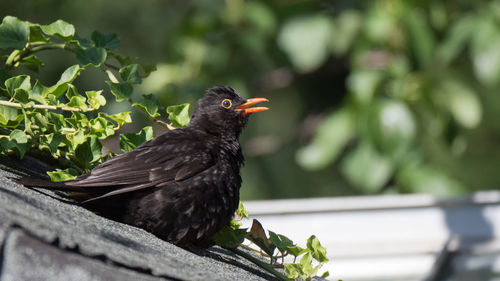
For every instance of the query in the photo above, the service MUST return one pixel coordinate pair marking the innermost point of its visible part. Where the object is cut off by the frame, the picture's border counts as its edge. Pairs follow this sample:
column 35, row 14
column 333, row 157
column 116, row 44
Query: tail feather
column 35, row 182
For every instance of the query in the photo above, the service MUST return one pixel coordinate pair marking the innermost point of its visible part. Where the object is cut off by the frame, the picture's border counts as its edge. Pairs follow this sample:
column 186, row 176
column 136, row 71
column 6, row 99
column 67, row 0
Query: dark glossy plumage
column 182, row 186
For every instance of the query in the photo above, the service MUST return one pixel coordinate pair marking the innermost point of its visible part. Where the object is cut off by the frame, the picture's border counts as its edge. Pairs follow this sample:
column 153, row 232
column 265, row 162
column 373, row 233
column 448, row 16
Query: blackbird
column 182, row 186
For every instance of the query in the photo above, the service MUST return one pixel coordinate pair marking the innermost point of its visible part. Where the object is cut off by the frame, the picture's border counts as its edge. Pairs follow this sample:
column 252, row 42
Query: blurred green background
column 367, row 97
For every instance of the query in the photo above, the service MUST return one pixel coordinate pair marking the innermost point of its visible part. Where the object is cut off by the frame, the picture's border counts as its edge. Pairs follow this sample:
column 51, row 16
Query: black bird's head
column 223, row 110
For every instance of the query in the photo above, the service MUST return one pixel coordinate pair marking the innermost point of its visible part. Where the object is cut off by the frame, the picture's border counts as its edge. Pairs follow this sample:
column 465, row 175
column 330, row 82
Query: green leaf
column 311, row 33
column 7, row 114
column 32, row 63
column 363, row 85
column 95, row 99
column 63, row 175
column 331, row 136
column 230, row 238
column 416, row 177
column 52, row 142
column 59, row 28
column 18, row 136
column 101, row 127
column 258, row 236
column 121, row 91
column 90, row 56
column 107, row 41
column 485, row 51
column 296, row 250
column 130, row 74
column 293, row 270
column 17, row 82
column 36, row 35
column 318, row 252
column 20, row 141
column 280, row 241
column 14, row 33
column 88, row 152
column 366, row 168
column 457, row 38
column 130, row 141
column 241, row 211
column 68, row 76
column 348, row 25
column 392, row 127
column 420, row 35
column 462, row 102
column 179, row 114
column 148, row 105
column 77, row 102
column 120, row 118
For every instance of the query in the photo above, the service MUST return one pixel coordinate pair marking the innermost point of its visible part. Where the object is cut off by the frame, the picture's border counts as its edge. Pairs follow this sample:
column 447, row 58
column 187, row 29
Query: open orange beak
column 246, row 108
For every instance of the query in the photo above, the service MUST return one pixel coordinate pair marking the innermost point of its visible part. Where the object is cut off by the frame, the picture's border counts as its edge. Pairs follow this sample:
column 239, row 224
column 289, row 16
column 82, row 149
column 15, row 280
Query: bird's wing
column 155, row 163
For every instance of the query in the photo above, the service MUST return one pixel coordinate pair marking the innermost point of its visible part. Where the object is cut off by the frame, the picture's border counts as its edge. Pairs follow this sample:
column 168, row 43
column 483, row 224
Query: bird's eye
column 226, row 104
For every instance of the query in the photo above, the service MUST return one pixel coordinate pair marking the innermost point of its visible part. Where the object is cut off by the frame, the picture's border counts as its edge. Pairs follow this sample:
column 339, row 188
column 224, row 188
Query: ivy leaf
column 94, row 56
column 230, row 238
column 295, row 250
column 77, row 102
column 52, row 142
column 88, row 152
column 293, row 270
column 258, row 236
column 241, row 211
column 130, row 74
column 95, row 99
column 32, row 63
column 101, row 127
column 130, row 141
column 59, row 28
column 7, row 114
column 120, row 118
column 63, row 175
column 20, row 141
column 36, row 35
column 107, row 41
column 121, row 91
column 318, row 252
column 280, row 241
column 179, row 114
column 68, row 76
column 148, row 105
column 17, row 82
column 14, row 33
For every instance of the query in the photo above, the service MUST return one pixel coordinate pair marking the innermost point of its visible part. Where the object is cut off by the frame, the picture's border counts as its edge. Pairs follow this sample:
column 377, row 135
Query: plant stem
column 16, row 56
column 260, row 263
column 44, row 106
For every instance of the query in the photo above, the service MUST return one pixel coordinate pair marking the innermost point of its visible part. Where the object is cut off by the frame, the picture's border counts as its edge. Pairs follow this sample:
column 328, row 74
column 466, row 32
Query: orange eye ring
column 226, row 103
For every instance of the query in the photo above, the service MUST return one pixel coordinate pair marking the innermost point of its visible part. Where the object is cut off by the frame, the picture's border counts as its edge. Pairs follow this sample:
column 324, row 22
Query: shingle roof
column 43, row 238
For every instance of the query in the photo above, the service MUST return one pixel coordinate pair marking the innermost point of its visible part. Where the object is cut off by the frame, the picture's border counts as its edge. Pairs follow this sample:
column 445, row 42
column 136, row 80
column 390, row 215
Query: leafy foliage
column 57, row 121
column 275, row 247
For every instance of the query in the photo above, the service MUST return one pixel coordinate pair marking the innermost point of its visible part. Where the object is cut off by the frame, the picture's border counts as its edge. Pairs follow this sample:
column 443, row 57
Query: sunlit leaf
column 130, row 74
column 14, row 33
column 130, row 141
column 306, row 41
column 121, row 91
column 61, row 28
column 331, row 136
column 63, row 175
column 149, row 105
column 365, row 168
column 228, row 237
column 179, row 114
